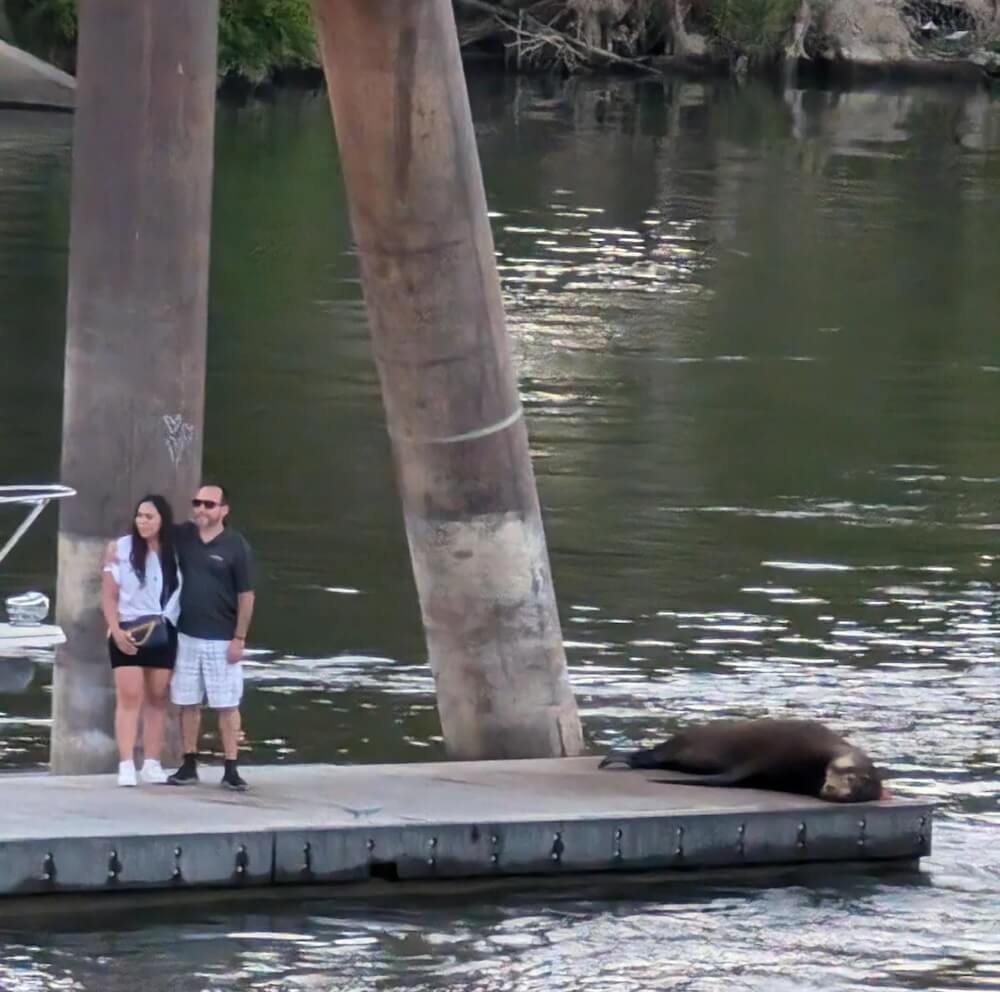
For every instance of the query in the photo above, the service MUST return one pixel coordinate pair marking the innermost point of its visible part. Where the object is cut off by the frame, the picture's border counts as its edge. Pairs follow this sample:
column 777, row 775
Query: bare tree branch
column 533, row 38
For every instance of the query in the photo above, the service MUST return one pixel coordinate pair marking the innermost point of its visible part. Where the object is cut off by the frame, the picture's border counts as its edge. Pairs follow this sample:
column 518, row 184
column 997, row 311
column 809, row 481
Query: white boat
column 23, row 627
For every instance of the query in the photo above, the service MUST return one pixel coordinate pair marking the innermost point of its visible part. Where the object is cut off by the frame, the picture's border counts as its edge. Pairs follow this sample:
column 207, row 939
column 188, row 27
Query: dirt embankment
column 938, row 35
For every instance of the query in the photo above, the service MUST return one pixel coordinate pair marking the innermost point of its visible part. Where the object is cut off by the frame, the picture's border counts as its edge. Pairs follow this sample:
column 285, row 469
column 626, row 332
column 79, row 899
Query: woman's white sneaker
column 126, row 773
column 152, row 772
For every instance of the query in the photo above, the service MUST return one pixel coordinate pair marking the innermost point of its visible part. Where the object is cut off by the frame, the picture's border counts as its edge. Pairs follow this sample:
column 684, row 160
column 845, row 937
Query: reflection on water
column 809, row 931
column 756, row 339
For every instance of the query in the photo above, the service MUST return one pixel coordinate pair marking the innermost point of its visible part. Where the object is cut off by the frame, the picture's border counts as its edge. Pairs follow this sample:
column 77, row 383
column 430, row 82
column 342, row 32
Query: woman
column 140, row 598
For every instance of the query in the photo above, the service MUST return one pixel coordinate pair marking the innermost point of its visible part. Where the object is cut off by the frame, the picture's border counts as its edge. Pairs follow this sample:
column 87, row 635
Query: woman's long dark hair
column 168, row 560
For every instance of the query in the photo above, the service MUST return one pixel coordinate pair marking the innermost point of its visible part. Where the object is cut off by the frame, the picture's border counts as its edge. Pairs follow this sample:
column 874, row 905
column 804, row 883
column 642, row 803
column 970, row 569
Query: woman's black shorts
column 161, row 657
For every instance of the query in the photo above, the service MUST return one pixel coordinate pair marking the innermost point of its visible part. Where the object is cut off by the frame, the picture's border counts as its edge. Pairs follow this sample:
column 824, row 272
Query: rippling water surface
column 756, row 336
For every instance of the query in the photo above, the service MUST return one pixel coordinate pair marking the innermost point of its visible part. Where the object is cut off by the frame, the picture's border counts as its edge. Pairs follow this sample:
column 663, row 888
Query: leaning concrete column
column 432, row 291
column 136, row 316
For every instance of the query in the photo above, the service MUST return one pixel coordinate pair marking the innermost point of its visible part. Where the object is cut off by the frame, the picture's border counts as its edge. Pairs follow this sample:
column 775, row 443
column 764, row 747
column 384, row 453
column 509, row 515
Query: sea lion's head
column 852, row 778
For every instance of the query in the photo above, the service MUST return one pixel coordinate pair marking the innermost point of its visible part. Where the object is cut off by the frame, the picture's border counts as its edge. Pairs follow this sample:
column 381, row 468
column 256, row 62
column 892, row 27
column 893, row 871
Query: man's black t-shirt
column 214, row 574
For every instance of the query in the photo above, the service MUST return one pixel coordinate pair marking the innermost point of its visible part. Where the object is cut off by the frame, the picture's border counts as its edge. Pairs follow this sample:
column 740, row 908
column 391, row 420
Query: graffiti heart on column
column 179, row 435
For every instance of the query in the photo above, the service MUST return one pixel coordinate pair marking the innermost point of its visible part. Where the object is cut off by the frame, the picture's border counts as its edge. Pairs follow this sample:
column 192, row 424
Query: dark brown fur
column 799, row 756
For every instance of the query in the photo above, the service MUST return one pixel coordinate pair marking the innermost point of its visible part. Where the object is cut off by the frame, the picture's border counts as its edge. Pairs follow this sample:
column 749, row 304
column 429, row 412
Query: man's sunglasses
column 209, row 504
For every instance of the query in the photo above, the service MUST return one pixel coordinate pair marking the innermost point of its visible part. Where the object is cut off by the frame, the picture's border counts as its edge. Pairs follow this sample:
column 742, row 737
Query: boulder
column 866, row 32
column 884, row 32
column 28, row 81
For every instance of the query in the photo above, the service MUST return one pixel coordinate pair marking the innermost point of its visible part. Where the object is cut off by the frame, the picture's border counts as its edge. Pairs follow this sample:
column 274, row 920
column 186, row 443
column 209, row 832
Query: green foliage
column 45, row 27
column 754, row 28
column 258, row 36
column 52, row 20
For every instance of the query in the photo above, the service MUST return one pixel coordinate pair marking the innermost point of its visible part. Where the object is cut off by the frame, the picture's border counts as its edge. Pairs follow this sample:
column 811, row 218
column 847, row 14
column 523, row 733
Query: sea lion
column 799, row 756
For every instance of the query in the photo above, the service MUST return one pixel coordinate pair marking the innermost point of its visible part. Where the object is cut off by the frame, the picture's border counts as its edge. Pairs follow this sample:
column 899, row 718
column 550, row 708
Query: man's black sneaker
column 232, row 780
column 185, row 775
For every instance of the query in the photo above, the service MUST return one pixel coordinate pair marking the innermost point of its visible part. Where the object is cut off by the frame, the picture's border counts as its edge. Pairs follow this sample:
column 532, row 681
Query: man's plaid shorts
column 202, row 671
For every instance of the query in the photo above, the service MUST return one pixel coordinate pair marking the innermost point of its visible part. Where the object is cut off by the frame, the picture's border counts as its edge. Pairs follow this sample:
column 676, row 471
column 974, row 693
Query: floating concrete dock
column 328, row 824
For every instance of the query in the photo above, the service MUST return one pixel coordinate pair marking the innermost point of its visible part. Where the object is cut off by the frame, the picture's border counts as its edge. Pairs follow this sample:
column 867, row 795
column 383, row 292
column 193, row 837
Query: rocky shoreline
column 907, row 38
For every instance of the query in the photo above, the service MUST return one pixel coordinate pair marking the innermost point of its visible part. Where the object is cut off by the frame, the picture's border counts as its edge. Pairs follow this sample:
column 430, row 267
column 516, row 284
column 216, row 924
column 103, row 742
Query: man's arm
column 244, row 613
column 244, row 604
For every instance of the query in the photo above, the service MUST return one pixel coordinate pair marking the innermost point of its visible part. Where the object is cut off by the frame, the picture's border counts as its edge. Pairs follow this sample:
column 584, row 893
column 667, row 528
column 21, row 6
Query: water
column 756, row 336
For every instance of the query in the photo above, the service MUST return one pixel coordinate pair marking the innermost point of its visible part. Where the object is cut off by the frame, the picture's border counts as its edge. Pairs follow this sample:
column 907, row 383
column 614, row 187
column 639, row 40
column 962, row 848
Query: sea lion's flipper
column 662, row 756
column 732, row 776
column 617, row 756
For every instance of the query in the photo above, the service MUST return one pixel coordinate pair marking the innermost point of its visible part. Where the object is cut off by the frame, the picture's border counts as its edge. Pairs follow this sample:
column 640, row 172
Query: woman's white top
column 137, row 599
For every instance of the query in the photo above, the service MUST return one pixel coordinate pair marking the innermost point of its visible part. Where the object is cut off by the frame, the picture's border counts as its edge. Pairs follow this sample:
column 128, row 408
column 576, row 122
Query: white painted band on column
column 500, row 425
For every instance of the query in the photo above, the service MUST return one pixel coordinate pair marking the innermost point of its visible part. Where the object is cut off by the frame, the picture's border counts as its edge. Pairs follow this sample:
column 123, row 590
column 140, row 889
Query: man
column 216, row 606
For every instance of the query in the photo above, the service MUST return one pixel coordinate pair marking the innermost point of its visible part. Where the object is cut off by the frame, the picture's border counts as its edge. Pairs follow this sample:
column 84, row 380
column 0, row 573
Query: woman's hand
column 124, row 641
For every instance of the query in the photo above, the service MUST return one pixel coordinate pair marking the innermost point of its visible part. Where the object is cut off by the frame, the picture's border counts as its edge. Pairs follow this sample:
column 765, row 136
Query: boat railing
column 35, row 498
